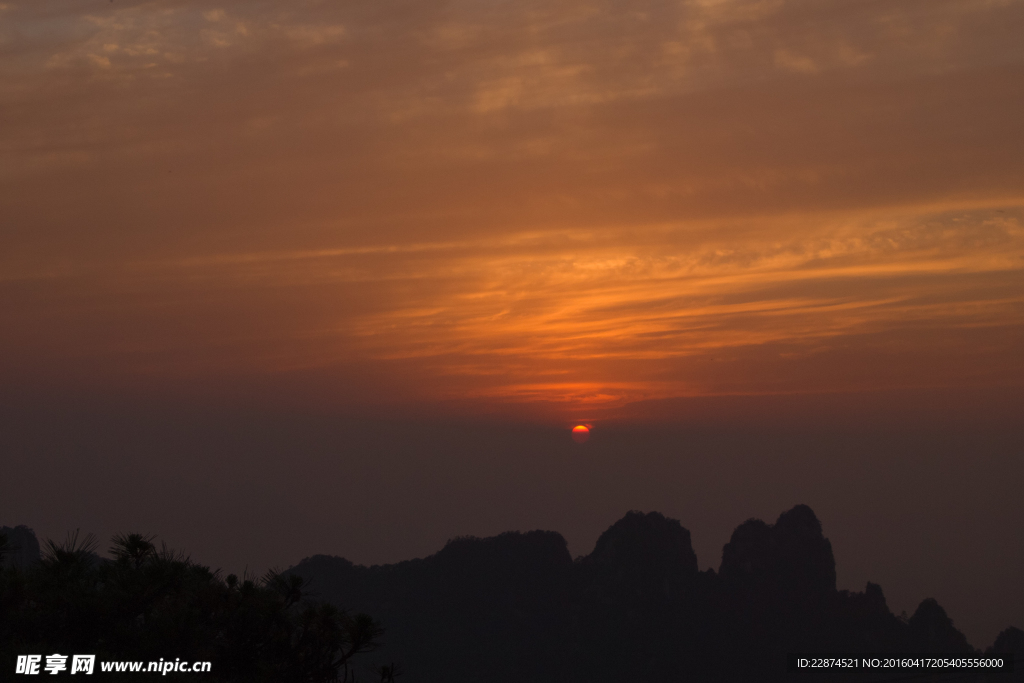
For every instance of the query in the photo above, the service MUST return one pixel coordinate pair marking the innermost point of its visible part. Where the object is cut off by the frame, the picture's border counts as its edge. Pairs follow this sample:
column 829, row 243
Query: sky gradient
column 797, row 216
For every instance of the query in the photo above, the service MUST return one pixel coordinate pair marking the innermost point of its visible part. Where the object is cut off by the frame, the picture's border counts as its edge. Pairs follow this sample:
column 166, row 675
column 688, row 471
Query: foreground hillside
column 517, row 607
column 147, row 612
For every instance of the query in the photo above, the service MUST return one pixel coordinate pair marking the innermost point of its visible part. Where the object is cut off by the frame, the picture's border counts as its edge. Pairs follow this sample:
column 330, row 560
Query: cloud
column 508, row 199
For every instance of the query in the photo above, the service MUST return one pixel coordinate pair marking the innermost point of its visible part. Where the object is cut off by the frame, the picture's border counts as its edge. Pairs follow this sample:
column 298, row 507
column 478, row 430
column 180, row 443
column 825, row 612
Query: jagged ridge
column 516, row 607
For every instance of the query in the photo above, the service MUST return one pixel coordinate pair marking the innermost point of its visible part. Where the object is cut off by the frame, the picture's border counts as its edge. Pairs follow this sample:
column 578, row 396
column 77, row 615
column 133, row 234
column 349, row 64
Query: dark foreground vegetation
column 147, row 604
column 514, row 608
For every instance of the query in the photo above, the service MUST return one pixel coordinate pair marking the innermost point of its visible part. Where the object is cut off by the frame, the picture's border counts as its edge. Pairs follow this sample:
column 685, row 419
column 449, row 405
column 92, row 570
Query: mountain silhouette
column 516, row 607
column 512, row 608
column 465, row 609
column 22, row 546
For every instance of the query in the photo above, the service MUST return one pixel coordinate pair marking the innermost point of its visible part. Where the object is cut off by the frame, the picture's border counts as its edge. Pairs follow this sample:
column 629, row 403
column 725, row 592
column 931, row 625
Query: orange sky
column 554, row 207
column 341, row 274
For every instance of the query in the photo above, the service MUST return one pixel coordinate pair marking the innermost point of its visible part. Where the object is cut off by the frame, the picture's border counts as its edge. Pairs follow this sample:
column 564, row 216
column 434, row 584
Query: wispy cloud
column 529, row 202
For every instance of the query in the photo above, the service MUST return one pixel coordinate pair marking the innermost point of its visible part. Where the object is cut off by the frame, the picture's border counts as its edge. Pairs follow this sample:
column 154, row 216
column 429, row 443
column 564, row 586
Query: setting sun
column 580, row 433
column 330, row 280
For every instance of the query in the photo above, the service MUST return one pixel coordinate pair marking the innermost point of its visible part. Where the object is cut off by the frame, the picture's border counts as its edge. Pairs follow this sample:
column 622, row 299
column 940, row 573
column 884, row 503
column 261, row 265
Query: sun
column 580, row 433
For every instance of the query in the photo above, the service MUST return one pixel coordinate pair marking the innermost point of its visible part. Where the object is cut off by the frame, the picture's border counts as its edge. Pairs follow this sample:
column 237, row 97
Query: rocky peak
column 646, row 556
column 791, row 557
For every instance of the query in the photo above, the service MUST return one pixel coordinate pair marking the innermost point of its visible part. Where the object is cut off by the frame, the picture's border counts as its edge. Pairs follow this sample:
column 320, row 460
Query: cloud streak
column 566, row 204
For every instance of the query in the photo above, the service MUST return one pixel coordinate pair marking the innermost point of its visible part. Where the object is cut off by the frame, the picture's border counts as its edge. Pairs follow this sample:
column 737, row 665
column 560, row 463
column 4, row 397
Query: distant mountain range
column 518, row 608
